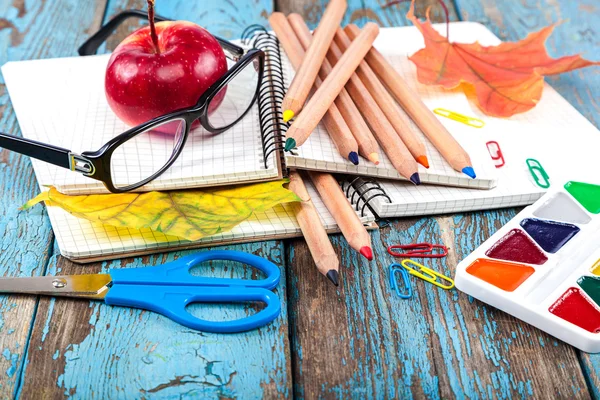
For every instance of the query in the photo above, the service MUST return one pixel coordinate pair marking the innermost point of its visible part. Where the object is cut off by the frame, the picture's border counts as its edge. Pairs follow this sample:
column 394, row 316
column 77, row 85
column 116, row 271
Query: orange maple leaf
column 508, row 79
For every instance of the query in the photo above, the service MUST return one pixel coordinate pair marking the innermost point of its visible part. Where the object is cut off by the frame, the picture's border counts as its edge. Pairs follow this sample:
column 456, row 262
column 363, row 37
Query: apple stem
column 153, row 34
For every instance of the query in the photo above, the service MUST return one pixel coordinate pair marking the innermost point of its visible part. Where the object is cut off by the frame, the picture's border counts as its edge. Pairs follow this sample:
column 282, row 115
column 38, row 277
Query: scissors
column 168, row 289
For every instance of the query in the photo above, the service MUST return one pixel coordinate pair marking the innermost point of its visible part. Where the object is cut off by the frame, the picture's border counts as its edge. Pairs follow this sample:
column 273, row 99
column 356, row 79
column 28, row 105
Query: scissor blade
column 86, row 286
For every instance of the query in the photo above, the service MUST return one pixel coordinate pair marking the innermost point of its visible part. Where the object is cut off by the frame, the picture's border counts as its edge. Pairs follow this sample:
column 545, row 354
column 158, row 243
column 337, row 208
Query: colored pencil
column 367, row 145
column 443, row 141
column 386, row 102
column 309, row 68
column 338, row 129
column 384, row 132
column 314, row 233
column 318, row 104
column 345, row 216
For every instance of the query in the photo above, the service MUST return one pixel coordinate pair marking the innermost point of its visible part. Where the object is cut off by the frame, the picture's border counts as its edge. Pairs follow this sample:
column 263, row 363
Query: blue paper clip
column 396, row 269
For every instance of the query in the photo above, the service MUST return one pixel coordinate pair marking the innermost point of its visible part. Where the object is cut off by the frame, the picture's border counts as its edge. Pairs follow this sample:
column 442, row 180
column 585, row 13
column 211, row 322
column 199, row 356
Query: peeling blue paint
column 13, row 358
column 148, row 355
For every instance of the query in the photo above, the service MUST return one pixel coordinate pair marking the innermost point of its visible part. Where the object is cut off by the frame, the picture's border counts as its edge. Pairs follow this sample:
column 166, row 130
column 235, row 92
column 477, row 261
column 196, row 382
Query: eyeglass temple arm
column 90, row 46
column 41, row 151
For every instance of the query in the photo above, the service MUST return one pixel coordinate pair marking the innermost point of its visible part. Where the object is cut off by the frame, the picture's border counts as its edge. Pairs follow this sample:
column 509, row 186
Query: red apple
column 157, row 71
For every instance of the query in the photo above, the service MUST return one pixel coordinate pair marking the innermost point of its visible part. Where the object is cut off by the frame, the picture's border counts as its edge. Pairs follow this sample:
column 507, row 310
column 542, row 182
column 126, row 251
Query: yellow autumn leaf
column 188, row 214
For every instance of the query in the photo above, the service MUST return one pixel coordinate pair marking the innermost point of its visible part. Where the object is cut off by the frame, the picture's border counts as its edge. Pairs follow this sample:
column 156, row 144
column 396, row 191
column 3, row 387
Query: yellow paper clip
column 428, row 274
column 471, row 121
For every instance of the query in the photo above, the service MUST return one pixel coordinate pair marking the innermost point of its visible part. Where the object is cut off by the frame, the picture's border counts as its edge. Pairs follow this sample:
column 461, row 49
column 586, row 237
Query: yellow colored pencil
column 335, row 124
column 367, row 145
column 309, row 68
column 317, row 106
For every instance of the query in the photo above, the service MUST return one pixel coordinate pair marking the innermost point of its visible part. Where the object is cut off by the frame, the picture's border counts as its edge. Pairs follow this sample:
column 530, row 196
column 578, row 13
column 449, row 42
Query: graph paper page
column 553, row 133
column 62, row 102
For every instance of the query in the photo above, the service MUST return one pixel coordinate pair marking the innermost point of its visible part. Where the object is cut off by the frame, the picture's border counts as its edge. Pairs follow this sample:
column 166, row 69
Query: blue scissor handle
column 178, row 272
column 171, row 301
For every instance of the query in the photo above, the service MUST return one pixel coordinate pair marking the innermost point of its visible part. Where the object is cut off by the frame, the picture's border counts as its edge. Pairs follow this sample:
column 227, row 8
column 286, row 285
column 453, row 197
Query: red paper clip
column 495, row 153
column 419, row 250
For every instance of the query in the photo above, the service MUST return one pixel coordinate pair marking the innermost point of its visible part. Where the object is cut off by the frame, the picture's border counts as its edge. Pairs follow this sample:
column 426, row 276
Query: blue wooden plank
column 224, row 18
column 365, row 340
column 28, row 30
column 362, row 11
column 85, row 350
column 578, row 34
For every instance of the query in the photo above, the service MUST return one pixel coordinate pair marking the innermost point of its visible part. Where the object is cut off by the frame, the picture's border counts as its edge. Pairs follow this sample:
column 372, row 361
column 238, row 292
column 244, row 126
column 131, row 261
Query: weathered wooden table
column 358, row 341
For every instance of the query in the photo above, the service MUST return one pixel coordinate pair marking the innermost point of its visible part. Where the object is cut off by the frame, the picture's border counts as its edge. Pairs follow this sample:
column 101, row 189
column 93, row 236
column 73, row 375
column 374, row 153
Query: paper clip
column 428, row 274
column 422, row 250
column 471, row 121
column 495, row 152
column 396, row 269
column 540, row 178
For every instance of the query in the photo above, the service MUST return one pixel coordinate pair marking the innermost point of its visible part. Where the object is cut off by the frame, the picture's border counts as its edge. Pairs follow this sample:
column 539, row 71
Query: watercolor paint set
column 544, row 266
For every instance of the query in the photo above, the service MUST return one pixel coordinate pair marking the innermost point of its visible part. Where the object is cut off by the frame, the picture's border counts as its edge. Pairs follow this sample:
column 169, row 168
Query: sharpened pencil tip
column 287, row 115
column 334, row 277
column 289, row 144
column 470, row 172
column 353, row 157
column 423, row 161
column 415, row 178
column 374, row 158
column 367, row 252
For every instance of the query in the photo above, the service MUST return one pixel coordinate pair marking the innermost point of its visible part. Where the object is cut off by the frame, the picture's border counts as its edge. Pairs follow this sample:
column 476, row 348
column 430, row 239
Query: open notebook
column 62, row 102
column 85, row 241
column 554, row 133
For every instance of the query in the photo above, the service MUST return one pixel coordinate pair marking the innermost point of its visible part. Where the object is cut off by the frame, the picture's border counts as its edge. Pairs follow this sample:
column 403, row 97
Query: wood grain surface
column 356, row 341
column 27, row 31
column 577, row 34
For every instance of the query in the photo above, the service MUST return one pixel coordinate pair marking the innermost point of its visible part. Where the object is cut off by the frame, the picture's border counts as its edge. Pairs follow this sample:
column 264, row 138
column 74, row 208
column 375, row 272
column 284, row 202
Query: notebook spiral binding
column 360, row 191
column 271, row 93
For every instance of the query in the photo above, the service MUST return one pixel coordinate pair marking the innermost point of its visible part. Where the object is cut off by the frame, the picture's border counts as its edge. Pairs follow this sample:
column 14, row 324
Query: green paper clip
column 540, row 177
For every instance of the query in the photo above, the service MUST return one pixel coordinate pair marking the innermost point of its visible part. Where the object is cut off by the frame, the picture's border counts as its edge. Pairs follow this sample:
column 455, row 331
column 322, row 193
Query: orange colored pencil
column 443, row 141
column 334, row 122
column 314, row 233
column 367, row 145
column 317, row 106
column 386, row 102
column 345, row 216
column 384, row 132
column 309, row 68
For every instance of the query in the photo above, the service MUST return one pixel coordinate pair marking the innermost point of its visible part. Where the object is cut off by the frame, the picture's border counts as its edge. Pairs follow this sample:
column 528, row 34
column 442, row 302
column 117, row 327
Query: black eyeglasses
column 141, row 154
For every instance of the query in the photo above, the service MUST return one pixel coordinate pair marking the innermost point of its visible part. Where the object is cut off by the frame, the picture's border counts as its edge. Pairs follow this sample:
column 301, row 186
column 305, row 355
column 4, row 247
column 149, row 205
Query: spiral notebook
column 84, row 241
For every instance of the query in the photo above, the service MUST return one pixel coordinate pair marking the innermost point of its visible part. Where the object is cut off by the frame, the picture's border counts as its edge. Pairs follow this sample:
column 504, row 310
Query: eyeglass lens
column 234, row 99
column 145, row 154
